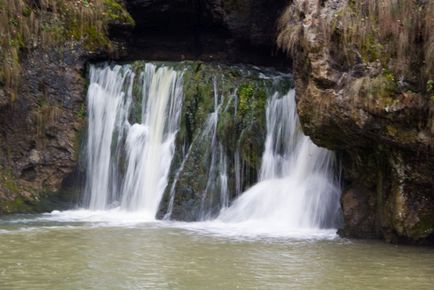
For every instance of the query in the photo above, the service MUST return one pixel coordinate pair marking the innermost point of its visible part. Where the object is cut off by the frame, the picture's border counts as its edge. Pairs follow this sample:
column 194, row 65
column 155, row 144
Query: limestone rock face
column 385, row 140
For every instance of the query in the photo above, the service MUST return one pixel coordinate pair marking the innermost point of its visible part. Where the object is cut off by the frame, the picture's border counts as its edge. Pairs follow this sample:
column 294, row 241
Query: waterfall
column 168, row 214
column 134, row 116
column 297, row 187
column 217, row 173
column 128, row 163
column 108, row 107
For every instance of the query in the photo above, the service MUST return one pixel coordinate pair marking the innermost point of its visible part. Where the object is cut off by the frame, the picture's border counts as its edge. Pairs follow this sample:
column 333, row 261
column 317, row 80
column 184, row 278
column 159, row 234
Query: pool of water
column 76, row 251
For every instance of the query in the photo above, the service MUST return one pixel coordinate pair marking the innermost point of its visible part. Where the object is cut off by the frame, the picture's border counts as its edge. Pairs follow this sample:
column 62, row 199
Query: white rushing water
column 149, row 144
column 129, row 161
column 297, row 187
column 217, row 171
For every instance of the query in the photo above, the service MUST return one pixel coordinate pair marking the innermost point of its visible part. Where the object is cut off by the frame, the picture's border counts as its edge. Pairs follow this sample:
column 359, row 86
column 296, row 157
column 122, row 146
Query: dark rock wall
column 224, row 30
column 39, row 136
column 42, row 96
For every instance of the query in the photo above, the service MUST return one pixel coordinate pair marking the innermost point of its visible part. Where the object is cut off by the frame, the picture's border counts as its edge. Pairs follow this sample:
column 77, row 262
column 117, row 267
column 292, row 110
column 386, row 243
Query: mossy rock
column 17, row 205
column 117, row 12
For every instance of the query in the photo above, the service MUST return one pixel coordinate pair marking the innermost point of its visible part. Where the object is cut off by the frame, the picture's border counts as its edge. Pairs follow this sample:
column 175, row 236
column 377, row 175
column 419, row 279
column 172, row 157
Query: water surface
column 56, row 251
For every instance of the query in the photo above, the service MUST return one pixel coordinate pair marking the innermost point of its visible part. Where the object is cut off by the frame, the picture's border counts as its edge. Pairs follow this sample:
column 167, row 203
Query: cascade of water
column 217, row 182
column 149, row 145
column 223, row 178
column 297, row 187
column 211, row 130
column 129, row 162
column 108, row 107
column 169, row 211
column 237, row 159
column 238, row 173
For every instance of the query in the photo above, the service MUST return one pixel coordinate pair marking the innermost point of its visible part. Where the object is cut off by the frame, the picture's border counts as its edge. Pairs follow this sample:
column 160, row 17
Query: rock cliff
column 363, row 74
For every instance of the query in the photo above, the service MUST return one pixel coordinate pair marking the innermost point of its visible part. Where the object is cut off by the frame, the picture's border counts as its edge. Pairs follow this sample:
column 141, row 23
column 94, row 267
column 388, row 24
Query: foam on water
column 88, row 219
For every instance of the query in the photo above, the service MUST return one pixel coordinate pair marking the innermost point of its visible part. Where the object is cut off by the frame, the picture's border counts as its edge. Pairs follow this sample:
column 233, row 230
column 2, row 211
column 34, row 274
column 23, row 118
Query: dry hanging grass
column 397, row 33
column 27, row 24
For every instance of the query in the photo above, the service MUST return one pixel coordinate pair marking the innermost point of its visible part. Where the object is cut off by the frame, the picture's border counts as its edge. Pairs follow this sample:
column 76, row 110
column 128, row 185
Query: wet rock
column 241, row 94
column 357, row 206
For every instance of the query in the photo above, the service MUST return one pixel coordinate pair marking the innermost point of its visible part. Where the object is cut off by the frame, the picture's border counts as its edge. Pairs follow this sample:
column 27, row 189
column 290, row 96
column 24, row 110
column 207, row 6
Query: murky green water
column 47, row 254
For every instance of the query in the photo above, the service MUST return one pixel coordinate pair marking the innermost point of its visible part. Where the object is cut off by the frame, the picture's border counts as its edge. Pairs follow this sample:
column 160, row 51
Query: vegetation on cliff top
column 397, row 35
column 29, row 24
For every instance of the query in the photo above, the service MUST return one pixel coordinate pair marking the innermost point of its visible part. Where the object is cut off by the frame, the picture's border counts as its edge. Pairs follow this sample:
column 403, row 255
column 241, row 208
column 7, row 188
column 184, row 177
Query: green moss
column 19, row 205
column 371, row 50
column 383, row 88
column 81, row 113
column 116, row 12
column 245, row 94
column 198, row 99
column 430, row 86
column 27, row 11
column 8, row 181
column 94, row 39
column 260, row 102
column 11, row 185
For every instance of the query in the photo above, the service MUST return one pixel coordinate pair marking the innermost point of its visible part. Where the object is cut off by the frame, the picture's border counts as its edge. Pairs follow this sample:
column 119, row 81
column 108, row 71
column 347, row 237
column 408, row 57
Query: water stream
column 297, row 188
column 146, row 145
